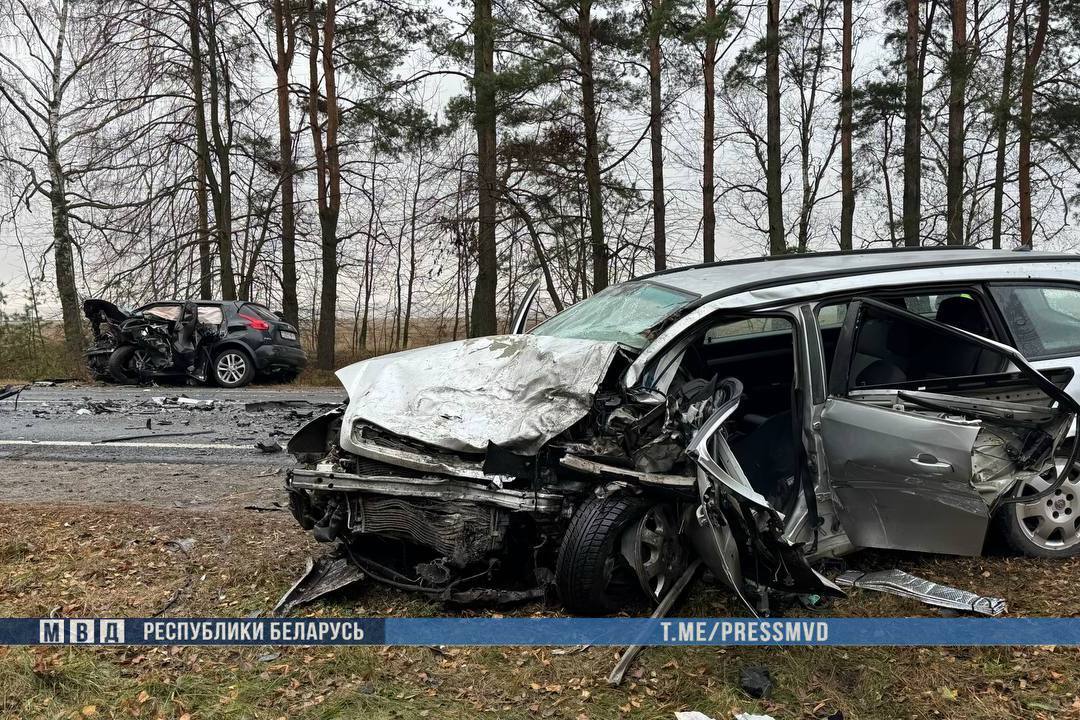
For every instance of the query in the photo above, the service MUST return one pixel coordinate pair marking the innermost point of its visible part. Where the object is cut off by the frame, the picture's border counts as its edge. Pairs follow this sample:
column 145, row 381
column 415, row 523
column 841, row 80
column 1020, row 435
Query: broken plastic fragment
column 898, row 582
column 321, row 577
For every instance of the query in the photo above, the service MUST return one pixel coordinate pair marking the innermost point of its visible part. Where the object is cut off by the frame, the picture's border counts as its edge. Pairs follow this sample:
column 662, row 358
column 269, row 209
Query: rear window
column 1044, row 320
column 262, row 313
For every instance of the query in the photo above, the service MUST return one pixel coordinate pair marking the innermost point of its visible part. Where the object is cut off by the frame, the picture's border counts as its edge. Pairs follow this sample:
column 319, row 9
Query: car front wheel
column 618, row 552
column 233, row 368
column 1049, row 527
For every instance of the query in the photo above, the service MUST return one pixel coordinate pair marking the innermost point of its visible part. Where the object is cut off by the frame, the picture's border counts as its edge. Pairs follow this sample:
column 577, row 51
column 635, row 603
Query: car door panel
column 902, row 480
column 900, row 462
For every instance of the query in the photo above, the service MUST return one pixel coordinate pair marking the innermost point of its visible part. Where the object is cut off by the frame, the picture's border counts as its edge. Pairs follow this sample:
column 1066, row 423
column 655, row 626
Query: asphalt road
column 170, row 424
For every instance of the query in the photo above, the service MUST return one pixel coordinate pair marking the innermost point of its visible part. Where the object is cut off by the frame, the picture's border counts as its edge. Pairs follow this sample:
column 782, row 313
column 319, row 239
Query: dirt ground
column 155, row 539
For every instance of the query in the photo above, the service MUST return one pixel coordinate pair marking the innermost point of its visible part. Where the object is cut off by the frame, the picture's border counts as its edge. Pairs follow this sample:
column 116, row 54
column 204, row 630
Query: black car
column 254, row 340
column 227, row 341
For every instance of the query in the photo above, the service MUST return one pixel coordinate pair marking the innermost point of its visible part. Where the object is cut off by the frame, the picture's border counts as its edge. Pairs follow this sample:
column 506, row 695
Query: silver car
column 758, row 415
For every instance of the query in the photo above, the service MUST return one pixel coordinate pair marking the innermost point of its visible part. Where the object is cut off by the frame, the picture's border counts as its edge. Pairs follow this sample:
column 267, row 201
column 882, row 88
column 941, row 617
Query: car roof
column 712, row 278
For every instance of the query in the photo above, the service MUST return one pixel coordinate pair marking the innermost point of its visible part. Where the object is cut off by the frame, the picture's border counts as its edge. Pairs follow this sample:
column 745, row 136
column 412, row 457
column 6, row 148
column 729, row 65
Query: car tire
column 121, row 365
column 233, row 368
column 591, row 575
column 1048, row 528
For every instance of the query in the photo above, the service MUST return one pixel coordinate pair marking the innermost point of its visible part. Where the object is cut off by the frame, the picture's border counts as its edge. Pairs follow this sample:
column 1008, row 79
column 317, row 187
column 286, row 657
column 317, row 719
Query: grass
column 123, row 561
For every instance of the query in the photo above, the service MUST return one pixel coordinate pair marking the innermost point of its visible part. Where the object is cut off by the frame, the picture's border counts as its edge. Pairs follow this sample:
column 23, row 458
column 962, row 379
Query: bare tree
column 958, row 73
column 847, row 172
column 328, row 171
column 71, row 85
column 773, row 188
column 1027, row 91
column 483, row 306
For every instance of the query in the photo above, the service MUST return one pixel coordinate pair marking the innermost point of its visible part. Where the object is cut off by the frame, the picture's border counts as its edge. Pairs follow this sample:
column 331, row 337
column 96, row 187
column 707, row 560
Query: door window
column 960, row 309
column 210, row 315
column 889, row 350
column 165, row 312
column 1044, row 321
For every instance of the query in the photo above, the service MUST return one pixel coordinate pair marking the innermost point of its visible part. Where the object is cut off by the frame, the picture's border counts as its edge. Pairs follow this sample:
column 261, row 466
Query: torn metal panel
column 321, row 577
column 426, row 487
column 592, row 467
column 898, row 582
column 517, row 391
column 418, row 460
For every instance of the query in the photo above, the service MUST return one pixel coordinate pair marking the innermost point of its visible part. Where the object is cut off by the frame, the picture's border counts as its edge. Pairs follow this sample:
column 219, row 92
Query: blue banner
column 540, row 631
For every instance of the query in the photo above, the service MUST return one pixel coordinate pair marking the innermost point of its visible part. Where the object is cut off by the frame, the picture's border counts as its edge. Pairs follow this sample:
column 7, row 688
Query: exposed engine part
column 898, row 582
column 461, row 532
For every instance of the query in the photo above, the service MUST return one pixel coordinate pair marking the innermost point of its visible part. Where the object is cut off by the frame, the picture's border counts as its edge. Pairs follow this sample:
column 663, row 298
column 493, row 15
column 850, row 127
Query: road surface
column 188, row 425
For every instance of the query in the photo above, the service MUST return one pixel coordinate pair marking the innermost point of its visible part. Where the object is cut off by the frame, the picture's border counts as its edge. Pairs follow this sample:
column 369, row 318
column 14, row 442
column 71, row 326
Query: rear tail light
column 255, row 323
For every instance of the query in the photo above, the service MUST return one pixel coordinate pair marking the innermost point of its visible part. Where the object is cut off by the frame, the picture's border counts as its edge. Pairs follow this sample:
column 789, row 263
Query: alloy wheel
column 652, row 547
column 231, row 367
column 1052, row 523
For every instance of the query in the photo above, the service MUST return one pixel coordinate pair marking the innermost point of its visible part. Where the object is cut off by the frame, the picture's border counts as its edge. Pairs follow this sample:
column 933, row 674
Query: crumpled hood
column 517, row 391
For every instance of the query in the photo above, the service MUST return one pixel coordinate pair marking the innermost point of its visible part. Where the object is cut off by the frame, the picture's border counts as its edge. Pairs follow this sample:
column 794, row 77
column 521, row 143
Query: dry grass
column 84, row 560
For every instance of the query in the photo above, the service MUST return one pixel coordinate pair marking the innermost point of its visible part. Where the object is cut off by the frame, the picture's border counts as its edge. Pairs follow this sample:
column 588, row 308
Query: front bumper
column 430, row 488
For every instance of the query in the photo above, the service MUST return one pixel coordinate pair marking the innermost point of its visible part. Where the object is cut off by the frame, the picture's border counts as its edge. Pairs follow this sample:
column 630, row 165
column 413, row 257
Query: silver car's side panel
column 903, row 480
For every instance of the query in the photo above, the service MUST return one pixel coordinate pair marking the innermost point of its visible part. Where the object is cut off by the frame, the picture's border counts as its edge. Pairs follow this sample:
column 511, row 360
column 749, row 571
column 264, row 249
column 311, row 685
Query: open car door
column 918, row 457
column 735, row 530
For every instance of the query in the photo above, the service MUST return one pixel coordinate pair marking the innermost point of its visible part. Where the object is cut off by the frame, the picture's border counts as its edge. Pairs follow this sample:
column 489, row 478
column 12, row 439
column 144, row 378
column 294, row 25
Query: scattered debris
column 748, row 716
column 12, row 391
column 183, row 401
column 321, row 577
column 269, row 446
column 756, row 681
column 97, row 407
column 184, row 545
column 619, row 671
column 263, row 508
column 152, row 435
column 898, row 582
column 263, row 405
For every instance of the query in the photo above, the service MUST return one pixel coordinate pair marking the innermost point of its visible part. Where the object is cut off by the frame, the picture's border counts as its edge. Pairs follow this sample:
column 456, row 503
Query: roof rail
column 795, row 256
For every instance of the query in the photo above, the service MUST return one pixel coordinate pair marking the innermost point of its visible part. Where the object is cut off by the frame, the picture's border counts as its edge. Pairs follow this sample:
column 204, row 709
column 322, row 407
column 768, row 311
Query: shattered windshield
column 622, row 313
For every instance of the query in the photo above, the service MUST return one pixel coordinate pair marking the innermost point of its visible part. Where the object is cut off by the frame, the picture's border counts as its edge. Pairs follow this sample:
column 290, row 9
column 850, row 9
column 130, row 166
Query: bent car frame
column 757, row 415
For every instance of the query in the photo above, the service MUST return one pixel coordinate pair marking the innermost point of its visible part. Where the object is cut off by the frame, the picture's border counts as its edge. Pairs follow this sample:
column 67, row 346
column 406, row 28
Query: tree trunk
column 1027, row 91
column 656, row 129
column 1001, row 120
column 410, row 283
column 285, row 37
column 912, row 130
column 62, row 251
column 708, row 180
column 222, row 151
column 958, row 70
column 206, row 270
column 847, row 174
column 328, row 170
column 592, row 149
column 772, row 81
column 202, row 141
column 484, row 319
